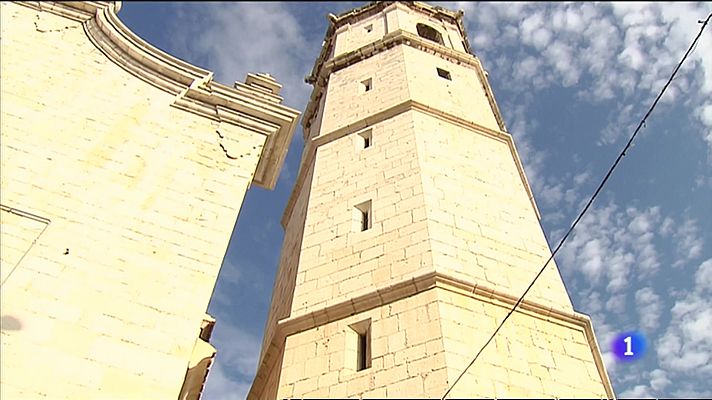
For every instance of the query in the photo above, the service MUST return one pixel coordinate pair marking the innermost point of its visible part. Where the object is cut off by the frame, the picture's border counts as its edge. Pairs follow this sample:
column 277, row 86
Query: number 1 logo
column 628, row 341
column 629, row 346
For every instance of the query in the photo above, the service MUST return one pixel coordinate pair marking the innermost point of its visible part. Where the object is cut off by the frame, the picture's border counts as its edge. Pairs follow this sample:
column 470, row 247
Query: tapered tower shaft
column 412, row 230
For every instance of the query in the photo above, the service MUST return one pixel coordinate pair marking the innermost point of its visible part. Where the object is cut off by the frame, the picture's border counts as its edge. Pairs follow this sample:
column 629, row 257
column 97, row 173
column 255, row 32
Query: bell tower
column 412, row 230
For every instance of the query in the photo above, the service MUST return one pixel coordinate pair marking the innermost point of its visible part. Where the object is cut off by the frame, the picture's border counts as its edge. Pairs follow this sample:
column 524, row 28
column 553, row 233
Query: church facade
column 123, row 171
column 412, row 231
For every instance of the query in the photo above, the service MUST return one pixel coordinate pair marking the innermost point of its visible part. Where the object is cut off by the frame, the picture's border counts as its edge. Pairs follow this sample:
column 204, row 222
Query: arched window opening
column 429, row 33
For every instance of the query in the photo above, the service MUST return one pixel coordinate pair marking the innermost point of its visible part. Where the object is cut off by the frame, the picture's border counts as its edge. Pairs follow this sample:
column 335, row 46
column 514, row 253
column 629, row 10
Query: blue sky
column 572, row 82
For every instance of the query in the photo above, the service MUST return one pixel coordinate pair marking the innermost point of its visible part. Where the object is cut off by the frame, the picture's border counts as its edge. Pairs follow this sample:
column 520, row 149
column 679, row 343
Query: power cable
column 590, row 201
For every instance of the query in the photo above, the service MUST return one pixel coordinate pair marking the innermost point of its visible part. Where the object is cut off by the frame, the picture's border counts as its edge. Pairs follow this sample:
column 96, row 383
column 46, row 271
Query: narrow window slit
column 359, row 346
column 363, row 216
column 364, row 220
column 367, row 85
column 367, row 136
column 362, row 352
column 444, row 74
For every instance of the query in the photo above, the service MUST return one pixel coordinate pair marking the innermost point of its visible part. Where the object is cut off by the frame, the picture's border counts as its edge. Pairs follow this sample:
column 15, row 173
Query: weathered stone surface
column 454, row 235
column 118, row 201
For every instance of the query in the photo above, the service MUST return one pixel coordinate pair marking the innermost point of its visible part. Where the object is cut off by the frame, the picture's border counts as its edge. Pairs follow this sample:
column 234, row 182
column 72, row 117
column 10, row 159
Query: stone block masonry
column 123, row 171
column 404, row 251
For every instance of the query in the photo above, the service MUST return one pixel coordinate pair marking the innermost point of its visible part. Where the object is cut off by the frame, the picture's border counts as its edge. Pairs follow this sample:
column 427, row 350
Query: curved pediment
column 254, row 105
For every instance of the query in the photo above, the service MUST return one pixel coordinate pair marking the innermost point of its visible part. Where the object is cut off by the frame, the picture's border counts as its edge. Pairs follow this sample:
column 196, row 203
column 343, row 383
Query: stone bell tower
column 412, row 230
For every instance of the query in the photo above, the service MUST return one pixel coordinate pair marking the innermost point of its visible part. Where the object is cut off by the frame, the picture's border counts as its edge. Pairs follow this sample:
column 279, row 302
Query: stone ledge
column 321, row 73
column 312, row 144
column 409, row 287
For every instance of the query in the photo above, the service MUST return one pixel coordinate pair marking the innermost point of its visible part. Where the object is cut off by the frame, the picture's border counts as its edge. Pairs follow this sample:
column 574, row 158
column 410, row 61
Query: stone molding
column 337, row 22
column 75, row 10
column 409, row 287
column 320, row 77
column 254, row 105
column 311, row 145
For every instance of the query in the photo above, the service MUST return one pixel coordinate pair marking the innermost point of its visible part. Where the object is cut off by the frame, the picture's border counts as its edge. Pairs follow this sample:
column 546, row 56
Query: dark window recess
column 444, row 74
column 363, row 215
column 366, row 135
column 362, row 331
column 367, row 85
column 364, row 220
column 362, row 355
column 430, row 33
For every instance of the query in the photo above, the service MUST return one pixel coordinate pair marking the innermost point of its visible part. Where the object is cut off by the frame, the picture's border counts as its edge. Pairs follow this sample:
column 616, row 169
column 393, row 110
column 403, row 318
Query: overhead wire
column 588, row 204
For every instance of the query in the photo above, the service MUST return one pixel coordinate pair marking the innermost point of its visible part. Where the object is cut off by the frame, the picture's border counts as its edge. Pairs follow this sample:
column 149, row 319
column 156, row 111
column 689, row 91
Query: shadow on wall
column 10, row 323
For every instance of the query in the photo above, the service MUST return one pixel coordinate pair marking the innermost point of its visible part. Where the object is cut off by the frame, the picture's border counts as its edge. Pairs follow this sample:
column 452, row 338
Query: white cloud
column 649, row 307
column 249, row 37
column 581, row 178
column 532, row 158
column 659, row 380
column 616, row 303
column 551, row 195
column 238, row 350
column 609, row 359
column 703, row 277
column 614, row 244
column 686, row 345
column 221, row 387
column 666, row 228
column 689, row 242
column 628, row 50
column 235, row 364
column 639, row 391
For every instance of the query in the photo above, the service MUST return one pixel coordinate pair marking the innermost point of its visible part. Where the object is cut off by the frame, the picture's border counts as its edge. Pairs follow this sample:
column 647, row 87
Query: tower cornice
column 311, row 144
column 410, row 287
column 337, row 21
column 390, row 40
column 254, row 105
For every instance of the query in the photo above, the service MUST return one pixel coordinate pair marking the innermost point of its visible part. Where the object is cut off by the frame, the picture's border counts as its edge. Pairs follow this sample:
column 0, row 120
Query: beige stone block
column 396, row 342
column 328, row 379
column 409, row 354
column 377, row 393
column 406, row 387
column 294, row 372
column 318, row 393
column 360, row 382
column 424, row 332
column 390, row 375
column 338, row 391
column 303, row 386
column 577, row 350
column 336, row 361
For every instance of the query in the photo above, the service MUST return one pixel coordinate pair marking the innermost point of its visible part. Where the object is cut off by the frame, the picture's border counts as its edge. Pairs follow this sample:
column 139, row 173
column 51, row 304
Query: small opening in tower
column 362, row 337
column 444, row 74
column 368, row 28
column 362, row 351
column 366, row 85
column 364, row 215
column 430, row 33
column 367, row 138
